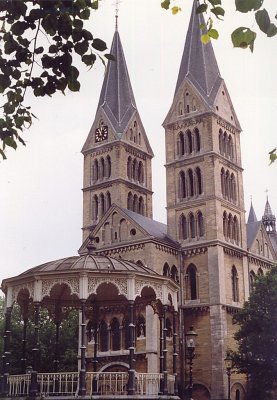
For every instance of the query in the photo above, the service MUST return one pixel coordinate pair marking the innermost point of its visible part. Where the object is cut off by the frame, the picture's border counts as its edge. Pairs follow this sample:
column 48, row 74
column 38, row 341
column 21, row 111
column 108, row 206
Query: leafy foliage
column 68, row 343
column 39, row 40
column 256, row 337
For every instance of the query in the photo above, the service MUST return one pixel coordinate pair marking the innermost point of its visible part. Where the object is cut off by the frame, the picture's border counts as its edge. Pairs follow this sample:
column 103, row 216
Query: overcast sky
column 41, row 198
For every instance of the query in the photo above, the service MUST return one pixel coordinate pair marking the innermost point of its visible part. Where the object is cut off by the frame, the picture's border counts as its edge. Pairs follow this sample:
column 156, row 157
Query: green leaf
column 85, row 14
column 19, row 28
column 214, row 2
column 243, row 37
column 205, row 38
column 272, row 155
column 272, row 30
column 16, row 74
column 39, row 50
column 78, row 24
column 87, row 35
column 89, row 59
column 213, row 33
column 81, row 48
column 202, row 8
column 4, row 82
column 95, row 5
column 110, row 57
column 263, row 20
column 218, row 11
column 74, row 86
column 9, row 141
column 99, row 44
column 3, row 154
column 53, row 48
column 165, row 4
column 245, row 6
column 175, row 10
column 74, row 73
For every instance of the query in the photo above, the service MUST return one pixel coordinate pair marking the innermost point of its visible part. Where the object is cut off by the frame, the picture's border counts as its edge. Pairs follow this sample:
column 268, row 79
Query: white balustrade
column 108, row 383
column 63, row 383
column 19, row 385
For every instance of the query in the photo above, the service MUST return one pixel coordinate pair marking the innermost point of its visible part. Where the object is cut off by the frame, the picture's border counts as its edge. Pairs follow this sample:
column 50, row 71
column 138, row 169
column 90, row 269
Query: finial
column 251, row 198
column 91, row 246
column 116, row 4
column 267, row 194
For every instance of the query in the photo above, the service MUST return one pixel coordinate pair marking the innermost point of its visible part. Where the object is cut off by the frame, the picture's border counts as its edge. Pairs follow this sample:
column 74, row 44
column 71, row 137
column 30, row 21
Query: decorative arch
column 182, row 185
column 197, row 142
column 174, row 273
column 190, row 183
column 183, row 228
column 141, row 205
column 198, row 179
column 191, row 220
column 191, row 282
column 115, row 334
column 181, row 144
column 129, row 167
column 189, row 143
column 108, row 167
column 235, row 284
column 200, row 224
column 130, row 201
column 166, row 270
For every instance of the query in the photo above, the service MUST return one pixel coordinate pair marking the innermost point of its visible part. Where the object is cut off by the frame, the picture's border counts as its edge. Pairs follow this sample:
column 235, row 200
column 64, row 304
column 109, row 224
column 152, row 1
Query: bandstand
column 122, row 308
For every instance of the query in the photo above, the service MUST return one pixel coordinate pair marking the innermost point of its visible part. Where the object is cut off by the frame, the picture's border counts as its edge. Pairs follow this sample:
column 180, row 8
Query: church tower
column 205, row 204
column 117, row 153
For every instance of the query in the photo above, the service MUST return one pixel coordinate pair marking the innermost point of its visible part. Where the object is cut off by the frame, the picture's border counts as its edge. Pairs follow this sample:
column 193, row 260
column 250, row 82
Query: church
column 156, row 300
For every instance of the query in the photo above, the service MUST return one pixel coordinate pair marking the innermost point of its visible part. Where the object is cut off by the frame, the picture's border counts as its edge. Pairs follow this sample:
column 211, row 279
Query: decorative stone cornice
column 260, row 262
column 233, row 252
column 122, row 249
column 186, row 123
column 194, row 251
column 225, row 125
column 230, row 309
column 196, row 309
column 166, row 249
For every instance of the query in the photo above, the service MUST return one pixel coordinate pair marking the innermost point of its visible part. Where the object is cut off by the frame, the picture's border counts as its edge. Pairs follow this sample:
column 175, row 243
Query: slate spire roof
column 198, row 63
column 267, row 211
column 117, row 98
column 252, row 215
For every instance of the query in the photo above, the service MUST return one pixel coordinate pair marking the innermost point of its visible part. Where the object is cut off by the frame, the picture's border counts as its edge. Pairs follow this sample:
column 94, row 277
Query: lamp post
column 228, row 365
column 190, row 342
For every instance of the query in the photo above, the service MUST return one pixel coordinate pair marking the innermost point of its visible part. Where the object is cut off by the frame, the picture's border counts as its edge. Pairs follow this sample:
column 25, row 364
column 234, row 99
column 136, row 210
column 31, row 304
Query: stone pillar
column 35, row 353
column 57, row 346
column 95, row 361
column 131, row 372
column 6, row 352
column 161, row 354
column 24, row 334
column 82, row 373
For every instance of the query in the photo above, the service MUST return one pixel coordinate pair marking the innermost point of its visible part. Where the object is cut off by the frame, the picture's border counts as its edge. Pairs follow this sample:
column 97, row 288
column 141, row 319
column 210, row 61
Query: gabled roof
column 252, row 215
column 198, row 63
column 117, row 98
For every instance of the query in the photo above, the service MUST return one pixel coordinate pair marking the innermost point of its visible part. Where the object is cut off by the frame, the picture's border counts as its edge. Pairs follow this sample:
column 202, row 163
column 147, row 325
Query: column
column 165, row 372
column 82, row 380
column 95, row 361
column 161, row 354
column 35, row 352
column 24, row 334
column 131, row 372
column 6, row 352
column 175, row 354
column 57, row 345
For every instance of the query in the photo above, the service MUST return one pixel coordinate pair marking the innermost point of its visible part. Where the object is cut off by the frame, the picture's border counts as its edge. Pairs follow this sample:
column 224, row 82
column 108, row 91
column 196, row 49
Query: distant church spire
column 252, row 215
column 198, row 63
column 269, row 219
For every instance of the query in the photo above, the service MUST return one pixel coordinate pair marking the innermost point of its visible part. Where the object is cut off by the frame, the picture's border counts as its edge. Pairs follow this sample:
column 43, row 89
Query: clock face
column 101, row 134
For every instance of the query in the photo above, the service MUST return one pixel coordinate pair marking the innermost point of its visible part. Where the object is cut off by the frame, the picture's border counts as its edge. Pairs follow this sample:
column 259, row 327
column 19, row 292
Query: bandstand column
column 6, row 352
column 82, row 374
column 35, row 351
column 175, row 354
column 95, row 361
column 165, row 372
column 161, row 354
column 57, row 346
column 24, row 335
column 131, row 372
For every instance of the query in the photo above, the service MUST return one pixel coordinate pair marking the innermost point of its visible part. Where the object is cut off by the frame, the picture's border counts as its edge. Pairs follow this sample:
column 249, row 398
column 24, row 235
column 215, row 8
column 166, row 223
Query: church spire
column 117, row 98
column 198, row 63
column 252, row 215
column 269, row 219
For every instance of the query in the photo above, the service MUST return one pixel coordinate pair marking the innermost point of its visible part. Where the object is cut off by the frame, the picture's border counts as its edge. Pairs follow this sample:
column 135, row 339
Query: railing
column 19, row 385
column 148, row 384
column 102, row 383
column 108, row 383
column 58, row 383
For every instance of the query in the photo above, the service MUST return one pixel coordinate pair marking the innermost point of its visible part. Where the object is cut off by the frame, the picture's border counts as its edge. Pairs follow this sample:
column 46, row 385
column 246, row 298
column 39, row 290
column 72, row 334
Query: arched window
column 191, row 282
column 183, row 227
column 101, row 168
column 131, row 134
column 233, row 188
column 166, row 270
column 89, row 331
column 230, row 147
column 197, row 144
column 182, row 185
column 236, row 230
column 198, row 176
column 225, row 225
column 230, row 227
column 227, row 185
column 115, row 335
column 140, row 172
column 190, row 183
column 103, row 336
column 135, row 170
column 235, row 291
column 123, row 229
column 252, row 277
column 200, row 224
column 223, row 183
column 108, row 167
column 225, row 139
column 95, row 208
column 237, row 394
column 260, row 272
column 180, row 108
column 191, row 226
column 126, row 333
column 95, row 171
column 168, row 326
column 189, row 142
column 102, row 205
column 129, row 168
column 141, row 206
column 140, row 327
column 130, row 201
column 181, row 144
column 108, row 201
column 174, row 273
column 139, row 138
column 220, row 139
column 135, row 203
